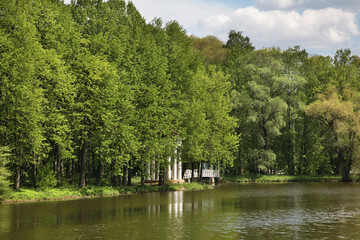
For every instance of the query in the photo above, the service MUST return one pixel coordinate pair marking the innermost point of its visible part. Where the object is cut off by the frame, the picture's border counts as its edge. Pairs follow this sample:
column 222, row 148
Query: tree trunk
column 266, row 146
column 94, row 165
column 239, row 169
column 345, row 166
column 83, row 159
column 129, row 173
column 142, row 171
column 35, row 175
column 101, row 173
column 303, row 148
column 72, row 171
column 68, row 169
column 125, row 175
column 113, row 181
column 200, row 179
column 113, row 177
column 161, row 176
column 192, row 172
column 293, row 141
column 120, row 180
column 59, row 166
column 17, row 177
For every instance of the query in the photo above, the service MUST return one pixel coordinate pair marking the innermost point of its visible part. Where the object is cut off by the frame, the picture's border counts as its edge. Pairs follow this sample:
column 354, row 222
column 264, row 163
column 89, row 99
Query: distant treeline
column 90, row 93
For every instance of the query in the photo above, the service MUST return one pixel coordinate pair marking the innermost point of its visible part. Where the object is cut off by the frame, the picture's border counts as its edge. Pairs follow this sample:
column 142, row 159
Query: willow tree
column 314, row 156
column 341, row 116
column 290, row 139
column 260, row 109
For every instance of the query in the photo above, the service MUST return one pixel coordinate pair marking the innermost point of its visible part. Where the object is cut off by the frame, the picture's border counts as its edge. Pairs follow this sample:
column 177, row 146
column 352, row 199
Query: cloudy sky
column 320, row 26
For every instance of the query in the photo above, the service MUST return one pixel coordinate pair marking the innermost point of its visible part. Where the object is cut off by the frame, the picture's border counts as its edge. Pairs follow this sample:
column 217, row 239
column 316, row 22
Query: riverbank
column 69, row 193
column 281, row 178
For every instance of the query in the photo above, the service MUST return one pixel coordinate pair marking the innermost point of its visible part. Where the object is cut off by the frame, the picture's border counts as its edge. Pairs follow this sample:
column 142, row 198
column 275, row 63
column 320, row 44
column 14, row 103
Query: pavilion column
column 157, row 171
column 179, row 170
column 179, row 167
column 174, row 172
column 153, row 170
column 169, row 168
column 148, row 171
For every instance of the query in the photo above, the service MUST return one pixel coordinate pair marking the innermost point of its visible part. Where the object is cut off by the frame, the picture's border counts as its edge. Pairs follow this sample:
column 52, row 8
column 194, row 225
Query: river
column 229, row 211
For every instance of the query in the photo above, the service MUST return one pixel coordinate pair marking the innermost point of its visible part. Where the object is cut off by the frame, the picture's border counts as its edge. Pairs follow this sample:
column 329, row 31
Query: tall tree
column 293, row 59
column 211, row 48
column 341, row 117
column 21, row 95
column 260, row 110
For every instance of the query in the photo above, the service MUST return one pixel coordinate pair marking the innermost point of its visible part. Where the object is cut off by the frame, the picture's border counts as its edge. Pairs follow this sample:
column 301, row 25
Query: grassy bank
column 67, row 193
column 33, row 195
column 281, row 178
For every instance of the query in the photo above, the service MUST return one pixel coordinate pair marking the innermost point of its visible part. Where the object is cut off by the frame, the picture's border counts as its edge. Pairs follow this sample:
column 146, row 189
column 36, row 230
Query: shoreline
column 251, row 178
column 74, row 193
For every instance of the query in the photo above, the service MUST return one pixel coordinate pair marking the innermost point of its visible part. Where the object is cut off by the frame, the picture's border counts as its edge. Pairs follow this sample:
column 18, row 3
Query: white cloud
column 186, row 12
column 324, row 28
column 275, row 4
column 320, row 26
column 348, row 5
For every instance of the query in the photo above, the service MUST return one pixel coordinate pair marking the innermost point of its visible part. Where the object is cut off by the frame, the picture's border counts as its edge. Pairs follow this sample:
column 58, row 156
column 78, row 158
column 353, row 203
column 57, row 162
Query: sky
column 319, row 26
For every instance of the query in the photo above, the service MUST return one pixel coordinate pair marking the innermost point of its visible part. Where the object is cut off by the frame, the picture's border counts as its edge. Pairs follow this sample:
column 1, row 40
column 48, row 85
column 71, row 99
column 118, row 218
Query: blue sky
column 319, row 26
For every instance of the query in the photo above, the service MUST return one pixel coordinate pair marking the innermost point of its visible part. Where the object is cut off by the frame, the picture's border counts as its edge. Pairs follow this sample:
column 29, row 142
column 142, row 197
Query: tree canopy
column 90, row 93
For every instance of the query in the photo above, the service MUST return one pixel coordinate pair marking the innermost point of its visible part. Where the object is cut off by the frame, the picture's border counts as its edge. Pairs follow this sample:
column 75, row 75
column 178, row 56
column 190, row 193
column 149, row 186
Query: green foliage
column 47, row 178
column 238, row 42
column 281, row 178
column 94, row 191
column 211, row 48
column 260, row 109
column 4, row 173
column 91, row 92
column 341, row 118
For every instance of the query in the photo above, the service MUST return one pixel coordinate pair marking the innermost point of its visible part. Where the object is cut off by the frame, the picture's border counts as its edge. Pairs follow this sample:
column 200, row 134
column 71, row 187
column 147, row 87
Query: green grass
column 25, row 195
column 189, row 186
column 70, row 192
column 281, row 178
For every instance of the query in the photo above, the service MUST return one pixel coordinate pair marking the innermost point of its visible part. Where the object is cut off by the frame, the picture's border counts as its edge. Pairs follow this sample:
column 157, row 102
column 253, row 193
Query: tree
column 238, row 42
column 314, row 156
column 21, row 94
column 260, row 110
column 222, row 139
column 211, row 48
column 346, row 70
column 293, row 59
column 342, row 119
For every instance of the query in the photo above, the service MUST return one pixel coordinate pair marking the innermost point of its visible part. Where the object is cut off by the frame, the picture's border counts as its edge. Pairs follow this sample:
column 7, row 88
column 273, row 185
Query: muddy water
column 230, row 211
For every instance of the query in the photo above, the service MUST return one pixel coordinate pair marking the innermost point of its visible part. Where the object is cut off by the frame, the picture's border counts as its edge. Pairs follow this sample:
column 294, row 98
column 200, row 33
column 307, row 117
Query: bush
column 47, row 178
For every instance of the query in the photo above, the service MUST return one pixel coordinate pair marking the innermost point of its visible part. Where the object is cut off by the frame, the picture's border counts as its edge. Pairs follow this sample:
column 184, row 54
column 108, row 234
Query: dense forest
column 90, row 93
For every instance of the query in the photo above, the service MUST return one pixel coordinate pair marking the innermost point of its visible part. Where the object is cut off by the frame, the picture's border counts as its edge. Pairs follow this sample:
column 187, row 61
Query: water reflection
column 285, row 211
column 175, row 206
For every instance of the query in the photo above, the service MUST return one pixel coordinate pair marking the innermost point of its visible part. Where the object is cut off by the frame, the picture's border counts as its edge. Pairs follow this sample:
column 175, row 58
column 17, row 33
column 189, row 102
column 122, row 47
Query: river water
column 229, row 211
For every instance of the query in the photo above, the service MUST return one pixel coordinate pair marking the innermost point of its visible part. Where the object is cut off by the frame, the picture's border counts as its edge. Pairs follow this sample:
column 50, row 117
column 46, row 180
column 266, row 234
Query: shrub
column 47, row 178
